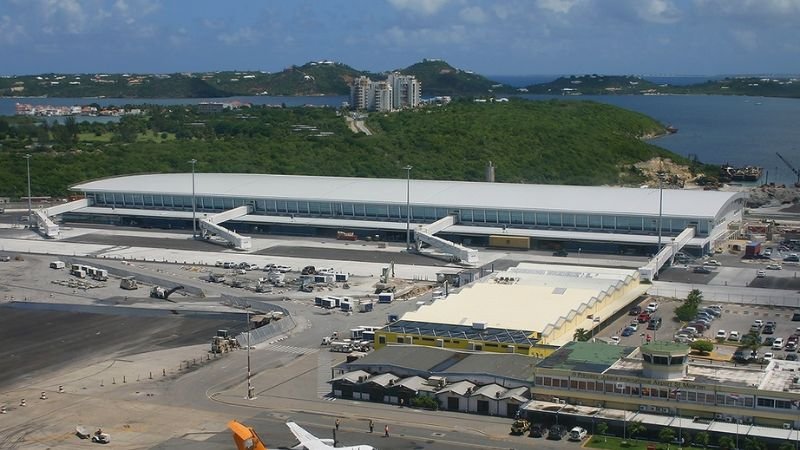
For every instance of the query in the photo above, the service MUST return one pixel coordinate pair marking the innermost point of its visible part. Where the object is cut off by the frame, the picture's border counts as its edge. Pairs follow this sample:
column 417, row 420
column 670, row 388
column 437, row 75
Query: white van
column 57, row 265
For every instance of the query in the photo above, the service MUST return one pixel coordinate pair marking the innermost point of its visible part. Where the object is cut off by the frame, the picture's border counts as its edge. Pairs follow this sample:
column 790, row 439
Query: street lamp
column 194, row 208
column 408, row 207
column 249, row 385
column 28, row 165
column 661, row 176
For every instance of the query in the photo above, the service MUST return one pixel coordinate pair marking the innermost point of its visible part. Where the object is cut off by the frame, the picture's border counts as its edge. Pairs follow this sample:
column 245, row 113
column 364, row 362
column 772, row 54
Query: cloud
column 557, row 6
column 10, row 31
column 657, row 11
column 422, row 7
column 746, row 38
column 472, row 14
column 244, row 35
column 454, row 34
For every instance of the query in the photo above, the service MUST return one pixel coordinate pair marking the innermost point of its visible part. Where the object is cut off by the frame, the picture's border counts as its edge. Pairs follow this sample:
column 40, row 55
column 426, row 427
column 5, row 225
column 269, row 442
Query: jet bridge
column 425, row 234
column 210, row 227
column 667, row 253
column 46, row 225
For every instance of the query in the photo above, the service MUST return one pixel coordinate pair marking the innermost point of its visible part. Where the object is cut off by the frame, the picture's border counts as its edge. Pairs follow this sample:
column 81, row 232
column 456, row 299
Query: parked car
column 722, row 334
column 768, row 355
column 792, row 258
column 614, row 340
column 712, row 311
column 739, row 355
column 643, row 317
column 652, row 307
column 768, row 341
column 635, row 311
column 561, row 252
column 761, row 274
column 734, row 336
column 715, row 308
column 712, row 262
column 556, row 432
column 777, row 344
column 537, row 430
column 701, row 269
column 628, row 331
column 634, row 326
column 654, row 324
column 699, row 326
column 768, row 329
column 796, row 316
column 791, row 356
column 774, row 266
column 577, row 434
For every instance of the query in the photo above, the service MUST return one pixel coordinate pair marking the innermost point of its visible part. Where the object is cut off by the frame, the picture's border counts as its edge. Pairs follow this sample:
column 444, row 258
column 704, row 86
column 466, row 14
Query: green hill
column 440, row 78
column 594, row 85
column 552, row 141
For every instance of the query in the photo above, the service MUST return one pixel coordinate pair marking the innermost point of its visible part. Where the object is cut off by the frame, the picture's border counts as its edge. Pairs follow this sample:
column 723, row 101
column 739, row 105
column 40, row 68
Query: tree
column 754, row 444
column 702, row 438
column 602, row 428
column 666, row 435
column 751, row 341
column 787, row 446
column 695, row 297
column 636, row 428
column 702, row 346
column 582, row 335
column 726, row 442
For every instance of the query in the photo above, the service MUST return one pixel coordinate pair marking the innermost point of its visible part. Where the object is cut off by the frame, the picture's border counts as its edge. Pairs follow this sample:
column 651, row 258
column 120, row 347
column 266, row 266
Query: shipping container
column 521, row 242
column 752, row 249
column 386, row 297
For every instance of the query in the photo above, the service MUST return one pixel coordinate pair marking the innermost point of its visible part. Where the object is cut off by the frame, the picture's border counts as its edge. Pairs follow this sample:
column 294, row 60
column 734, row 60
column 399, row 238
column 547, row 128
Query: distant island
column 438, row 78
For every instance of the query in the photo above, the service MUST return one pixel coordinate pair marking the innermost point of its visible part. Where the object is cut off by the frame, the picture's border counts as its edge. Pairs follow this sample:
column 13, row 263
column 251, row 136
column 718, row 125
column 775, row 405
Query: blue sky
column 503, row 37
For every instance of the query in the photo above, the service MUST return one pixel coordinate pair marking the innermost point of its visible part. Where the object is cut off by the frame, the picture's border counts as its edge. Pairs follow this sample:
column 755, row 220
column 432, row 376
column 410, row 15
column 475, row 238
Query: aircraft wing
column 307, row 440
column 311, row 442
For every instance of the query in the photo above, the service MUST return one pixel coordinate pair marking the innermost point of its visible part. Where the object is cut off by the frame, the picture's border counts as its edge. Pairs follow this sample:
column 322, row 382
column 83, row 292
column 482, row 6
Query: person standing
column 386, row 431
column 337, row 424
column 371, row 425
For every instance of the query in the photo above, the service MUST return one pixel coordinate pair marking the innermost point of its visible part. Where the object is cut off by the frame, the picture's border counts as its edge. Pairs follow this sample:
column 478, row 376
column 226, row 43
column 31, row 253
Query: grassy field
column 91, row 137
column 613, row 443
column 148, row 136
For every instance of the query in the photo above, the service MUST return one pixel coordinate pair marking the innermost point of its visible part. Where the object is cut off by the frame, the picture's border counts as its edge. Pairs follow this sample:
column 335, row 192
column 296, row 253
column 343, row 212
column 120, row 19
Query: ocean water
column 527, row 80
column 722, row 129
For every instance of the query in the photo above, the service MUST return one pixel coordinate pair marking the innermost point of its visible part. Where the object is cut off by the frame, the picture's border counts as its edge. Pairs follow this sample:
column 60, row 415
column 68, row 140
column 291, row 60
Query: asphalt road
column 37, row 342
column 272, row 430
column 180, row 242
column 374, row 256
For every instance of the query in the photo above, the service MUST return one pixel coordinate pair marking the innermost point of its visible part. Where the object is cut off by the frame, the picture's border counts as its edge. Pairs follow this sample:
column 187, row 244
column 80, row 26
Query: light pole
column 408, row 207
column 194, row 208
column 660, row 206
column 249, row 385
column 28, row 165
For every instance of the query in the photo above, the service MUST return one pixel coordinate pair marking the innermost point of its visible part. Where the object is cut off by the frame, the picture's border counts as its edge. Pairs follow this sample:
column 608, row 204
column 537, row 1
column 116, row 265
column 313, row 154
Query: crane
column 791, row 167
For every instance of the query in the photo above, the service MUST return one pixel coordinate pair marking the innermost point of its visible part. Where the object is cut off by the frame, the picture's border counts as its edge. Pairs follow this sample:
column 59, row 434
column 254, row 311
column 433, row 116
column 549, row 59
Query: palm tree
column 726, row 442
column 754, row 444
column 635, row 428
column 787, row 446
column 582, row 335
column 702, row 438
column 666, row 435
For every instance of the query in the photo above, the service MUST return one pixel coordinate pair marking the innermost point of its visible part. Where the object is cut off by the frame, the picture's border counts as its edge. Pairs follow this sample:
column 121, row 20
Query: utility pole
column 30, row 208
column 661, row 176
column 194, row 208
column 408, row 207
column 249, row 385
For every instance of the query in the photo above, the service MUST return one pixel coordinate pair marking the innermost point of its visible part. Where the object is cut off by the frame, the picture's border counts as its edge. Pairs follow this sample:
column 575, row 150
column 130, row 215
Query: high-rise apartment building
column 398, row 91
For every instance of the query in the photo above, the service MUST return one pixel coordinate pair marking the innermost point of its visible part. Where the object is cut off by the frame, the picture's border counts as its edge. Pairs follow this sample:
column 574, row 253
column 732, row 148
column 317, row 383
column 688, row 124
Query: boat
column 746, row 173
column 671, row 130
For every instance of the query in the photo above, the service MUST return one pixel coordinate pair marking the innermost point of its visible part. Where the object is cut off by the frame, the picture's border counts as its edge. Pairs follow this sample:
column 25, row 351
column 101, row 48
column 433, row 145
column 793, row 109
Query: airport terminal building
column 602, row 219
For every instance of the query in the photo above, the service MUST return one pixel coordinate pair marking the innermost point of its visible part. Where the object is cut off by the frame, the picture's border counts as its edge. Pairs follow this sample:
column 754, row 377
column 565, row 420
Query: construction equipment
column 128, row 283
column 346, row 236
column 520, row 426
column 162, row 293
column 791, row 167
column 223, row 342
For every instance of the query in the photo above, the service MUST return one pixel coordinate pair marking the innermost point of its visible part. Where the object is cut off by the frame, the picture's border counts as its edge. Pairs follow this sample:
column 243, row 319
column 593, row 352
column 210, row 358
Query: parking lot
column 734, row 317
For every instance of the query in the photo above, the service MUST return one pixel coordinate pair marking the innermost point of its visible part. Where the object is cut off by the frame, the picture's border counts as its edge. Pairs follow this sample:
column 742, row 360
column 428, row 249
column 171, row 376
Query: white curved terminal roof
column 451, row 194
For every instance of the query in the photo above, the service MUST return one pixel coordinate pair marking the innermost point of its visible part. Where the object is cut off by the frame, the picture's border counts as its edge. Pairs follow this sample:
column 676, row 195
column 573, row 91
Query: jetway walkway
column 210, row 227
column 667, row 254
column 425, row 234
column 46, row 225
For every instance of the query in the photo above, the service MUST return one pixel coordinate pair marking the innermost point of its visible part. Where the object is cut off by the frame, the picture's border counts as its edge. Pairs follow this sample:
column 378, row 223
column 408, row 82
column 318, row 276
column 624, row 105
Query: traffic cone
column 43, row 396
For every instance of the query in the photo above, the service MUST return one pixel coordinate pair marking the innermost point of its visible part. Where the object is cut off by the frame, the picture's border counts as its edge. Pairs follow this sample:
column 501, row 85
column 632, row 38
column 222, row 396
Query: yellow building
column 531, row 309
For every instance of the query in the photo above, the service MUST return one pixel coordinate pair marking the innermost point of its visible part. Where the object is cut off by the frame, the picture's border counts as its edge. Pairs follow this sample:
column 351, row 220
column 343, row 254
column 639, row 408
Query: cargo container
column 752, row 249
column 57, row 265
column 365, row 306
column 342, row 277
column 386, row 297
column 520, row 242
column 328, row 303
